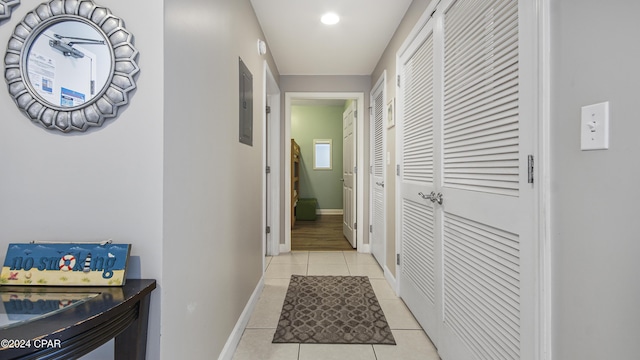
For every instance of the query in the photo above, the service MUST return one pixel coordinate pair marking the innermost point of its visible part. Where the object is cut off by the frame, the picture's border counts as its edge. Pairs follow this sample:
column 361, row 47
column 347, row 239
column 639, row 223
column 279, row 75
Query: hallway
column 412, row 342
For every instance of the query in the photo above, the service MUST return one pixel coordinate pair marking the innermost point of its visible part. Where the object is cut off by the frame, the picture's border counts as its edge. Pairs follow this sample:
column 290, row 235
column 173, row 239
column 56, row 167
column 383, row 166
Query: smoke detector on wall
column 262, row 47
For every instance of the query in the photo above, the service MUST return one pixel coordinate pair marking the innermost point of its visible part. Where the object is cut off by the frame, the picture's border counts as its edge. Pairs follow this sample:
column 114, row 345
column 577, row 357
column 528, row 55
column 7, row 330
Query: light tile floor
column 412, row 342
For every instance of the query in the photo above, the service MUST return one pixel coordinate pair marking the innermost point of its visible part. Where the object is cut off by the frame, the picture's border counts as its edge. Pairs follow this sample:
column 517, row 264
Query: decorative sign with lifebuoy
column 65, row 264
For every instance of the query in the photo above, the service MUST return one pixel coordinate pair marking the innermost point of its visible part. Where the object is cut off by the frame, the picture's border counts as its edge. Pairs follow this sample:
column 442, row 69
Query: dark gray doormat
column 332, row 310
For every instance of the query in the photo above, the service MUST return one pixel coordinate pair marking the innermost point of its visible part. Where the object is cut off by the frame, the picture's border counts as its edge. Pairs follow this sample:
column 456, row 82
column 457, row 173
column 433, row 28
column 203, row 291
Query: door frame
column 542, row 174
column 271, row 195
column 359, row 97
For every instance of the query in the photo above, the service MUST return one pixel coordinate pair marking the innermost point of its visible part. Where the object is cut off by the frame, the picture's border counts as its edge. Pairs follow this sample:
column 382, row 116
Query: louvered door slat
column 379, row 127
column 474, row 17
column 489, row 128
column 418, row 247
column 418, row 115
column 476, row 113
column 483, row 93
column 483, row 120
column 478, row 269
column 470, row 44
column 495, row 321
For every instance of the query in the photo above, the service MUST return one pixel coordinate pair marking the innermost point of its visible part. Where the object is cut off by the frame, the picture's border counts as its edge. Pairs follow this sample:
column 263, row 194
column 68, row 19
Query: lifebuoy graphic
column 67, row 262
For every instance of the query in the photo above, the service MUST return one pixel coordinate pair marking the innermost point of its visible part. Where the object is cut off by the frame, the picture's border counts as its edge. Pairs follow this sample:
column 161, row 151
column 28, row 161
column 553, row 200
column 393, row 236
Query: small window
column 322, row 154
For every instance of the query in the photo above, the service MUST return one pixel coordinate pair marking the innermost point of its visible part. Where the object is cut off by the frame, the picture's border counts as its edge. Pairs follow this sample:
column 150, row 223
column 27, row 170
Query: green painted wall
column 309, row 122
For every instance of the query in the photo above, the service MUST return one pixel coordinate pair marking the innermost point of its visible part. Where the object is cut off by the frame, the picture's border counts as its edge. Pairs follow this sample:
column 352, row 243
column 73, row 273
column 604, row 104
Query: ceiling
column 302, row 45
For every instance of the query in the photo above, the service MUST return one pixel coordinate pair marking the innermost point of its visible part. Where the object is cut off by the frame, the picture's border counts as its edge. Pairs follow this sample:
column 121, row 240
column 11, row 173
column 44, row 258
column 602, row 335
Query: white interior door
column 349, row 173
column 475, row 232
column 488, row 203
column 377, row 236
column 416, row 107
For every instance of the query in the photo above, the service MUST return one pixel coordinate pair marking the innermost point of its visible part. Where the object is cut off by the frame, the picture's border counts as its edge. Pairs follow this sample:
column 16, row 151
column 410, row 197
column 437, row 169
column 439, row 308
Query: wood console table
column 115, row 312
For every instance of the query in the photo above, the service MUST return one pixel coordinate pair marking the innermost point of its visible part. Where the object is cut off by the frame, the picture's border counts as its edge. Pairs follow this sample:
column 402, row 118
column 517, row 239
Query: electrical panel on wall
column 246, row 105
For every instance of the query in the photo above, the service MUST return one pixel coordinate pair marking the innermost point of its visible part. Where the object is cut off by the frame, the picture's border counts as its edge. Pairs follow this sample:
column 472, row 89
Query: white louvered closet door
column 466, row 115
column 417, row 230
column 487, row 199
column 377, row 232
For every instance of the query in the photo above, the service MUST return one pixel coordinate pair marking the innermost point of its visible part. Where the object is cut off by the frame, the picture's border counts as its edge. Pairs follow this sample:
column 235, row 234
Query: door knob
column 431, row 196
column 380, row 183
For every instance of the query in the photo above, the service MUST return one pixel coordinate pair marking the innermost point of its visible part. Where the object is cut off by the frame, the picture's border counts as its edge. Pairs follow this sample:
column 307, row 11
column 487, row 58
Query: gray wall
column 595, row 196
column 212, row 183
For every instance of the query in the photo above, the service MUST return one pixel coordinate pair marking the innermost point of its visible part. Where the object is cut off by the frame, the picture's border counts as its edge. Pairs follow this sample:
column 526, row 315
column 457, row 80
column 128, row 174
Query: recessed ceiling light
column 330, row 19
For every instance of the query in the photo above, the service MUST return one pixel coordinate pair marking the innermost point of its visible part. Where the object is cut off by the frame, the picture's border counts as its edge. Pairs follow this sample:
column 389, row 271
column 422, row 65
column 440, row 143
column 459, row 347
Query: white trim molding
column 234, row 338
column 329, row 212
column 544, row 208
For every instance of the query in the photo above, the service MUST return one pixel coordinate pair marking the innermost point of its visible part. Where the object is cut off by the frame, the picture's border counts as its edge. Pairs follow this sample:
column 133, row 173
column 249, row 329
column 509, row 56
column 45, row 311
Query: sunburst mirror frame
column 6, row 6
column 108, row 100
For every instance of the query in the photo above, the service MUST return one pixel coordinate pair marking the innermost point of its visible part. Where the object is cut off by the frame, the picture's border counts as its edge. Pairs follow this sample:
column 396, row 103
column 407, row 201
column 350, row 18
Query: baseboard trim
column 391, row 280
column 234, row 338
column 329, row 212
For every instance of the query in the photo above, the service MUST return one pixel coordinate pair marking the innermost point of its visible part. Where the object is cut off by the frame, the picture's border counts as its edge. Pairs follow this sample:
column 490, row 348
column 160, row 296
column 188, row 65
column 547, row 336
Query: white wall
column 595, row 194
column 96, row 185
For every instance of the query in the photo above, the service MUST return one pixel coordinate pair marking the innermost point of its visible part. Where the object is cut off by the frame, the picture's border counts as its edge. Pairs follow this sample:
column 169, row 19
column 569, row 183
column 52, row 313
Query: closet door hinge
column 398, row 80
column 397, row 259
column 398, row 169
column 268, row 169
column 268, row 230
column 530, row 169
column 355, row 226
column 370, row 228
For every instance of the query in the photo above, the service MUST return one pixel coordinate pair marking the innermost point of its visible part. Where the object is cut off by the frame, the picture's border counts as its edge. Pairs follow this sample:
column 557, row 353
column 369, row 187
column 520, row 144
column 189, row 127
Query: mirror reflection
column 69, row 63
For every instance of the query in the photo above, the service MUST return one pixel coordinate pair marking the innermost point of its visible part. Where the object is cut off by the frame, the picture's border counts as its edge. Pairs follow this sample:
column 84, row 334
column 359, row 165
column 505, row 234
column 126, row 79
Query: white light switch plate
column 594, row 127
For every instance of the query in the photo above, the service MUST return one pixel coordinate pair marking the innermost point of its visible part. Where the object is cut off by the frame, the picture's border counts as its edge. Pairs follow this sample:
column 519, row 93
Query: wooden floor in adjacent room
column 323, row 234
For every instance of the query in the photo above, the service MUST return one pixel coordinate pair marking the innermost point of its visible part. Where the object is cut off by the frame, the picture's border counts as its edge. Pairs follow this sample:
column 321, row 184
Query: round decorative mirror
column 70, row 65
column 6, row 7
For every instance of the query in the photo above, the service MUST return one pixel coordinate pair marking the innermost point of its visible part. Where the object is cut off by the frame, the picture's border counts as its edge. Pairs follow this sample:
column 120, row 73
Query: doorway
column 309, row 97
